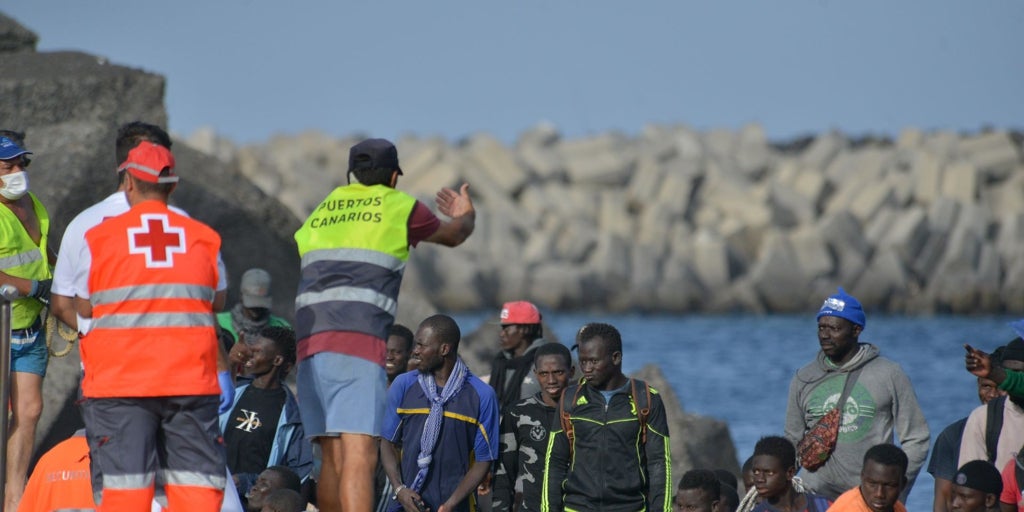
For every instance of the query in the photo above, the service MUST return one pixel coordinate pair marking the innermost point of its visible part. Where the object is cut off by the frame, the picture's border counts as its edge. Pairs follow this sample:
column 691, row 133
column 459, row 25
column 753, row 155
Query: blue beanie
column 844, row 306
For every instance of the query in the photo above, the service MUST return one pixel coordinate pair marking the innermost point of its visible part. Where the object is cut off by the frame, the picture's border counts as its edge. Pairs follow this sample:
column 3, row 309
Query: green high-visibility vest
column 354, row 247
column 21, row 257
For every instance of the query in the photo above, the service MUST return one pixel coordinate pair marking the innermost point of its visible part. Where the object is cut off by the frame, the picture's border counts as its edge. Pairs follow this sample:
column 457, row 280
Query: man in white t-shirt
column 68, row 269
column 974, row 443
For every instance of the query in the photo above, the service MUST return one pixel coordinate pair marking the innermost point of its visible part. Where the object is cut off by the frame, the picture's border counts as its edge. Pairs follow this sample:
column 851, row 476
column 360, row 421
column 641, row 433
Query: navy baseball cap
column 9, row 149
column 374, row 154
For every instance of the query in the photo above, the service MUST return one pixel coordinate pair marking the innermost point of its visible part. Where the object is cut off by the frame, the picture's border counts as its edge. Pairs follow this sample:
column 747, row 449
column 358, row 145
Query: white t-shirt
column 71, row 275
column 1011, row 437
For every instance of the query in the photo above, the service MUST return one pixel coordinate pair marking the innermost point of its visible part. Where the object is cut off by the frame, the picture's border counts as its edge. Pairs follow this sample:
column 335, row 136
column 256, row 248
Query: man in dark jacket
column 263, row 427
column 520, row 335
column 616, row 439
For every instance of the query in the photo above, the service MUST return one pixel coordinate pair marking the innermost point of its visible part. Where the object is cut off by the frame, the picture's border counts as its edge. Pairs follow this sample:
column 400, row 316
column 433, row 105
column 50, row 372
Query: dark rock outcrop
column 70, row 105
column 14, row 37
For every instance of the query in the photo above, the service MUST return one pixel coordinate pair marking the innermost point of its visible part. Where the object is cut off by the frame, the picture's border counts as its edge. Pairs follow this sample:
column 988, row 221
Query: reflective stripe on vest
column 354, row 255
column 354, row 247
column 348, row 294
column 152, row 320
column 152, row 291
column 21, row 257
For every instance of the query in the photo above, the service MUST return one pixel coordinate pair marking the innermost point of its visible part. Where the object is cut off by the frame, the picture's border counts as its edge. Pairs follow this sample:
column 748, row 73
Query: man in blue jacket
column 263, row 427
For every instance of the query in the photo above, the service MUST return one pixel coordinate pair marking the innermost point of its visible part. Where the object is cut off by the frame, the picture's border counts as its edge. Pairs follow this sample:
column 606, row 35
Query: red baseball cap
column 519, row 312
column 147, row 160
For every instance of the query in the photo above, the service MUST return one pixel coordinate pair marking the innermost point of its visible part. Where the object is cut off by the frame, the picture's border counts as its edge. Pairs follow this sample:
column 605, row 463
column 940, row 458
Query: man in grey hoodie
column 882, row 404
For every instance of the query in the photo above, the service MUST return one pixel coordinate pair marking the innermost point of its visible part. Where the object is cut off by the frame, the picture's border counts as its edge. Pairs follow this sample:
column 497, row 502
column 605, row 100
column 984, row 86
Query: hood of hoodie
column 822, row 368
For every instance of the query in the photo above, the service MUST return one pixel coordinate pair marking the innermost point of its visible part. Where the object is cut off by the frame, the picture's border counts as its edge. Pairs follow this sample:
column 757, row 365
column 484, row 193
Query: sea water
column 737, row 368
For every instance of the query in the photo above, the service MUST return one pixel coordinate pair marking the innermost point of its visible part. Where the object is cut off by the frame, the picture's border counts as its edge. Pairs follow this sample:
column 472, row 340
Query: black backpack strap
column 993, row 426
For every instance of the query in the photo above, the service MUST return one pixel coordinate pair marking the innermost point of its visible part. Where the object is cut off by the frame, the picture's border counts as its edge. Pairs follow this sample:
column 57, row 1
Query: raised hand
column 977, row 362
column 455, row 204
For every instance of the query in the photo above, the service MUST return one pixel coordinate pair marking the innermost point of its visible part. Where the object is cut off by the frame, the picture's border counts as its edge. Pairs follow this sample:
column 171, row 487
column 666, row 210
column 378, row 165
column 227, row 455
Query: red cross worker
column 151, row 386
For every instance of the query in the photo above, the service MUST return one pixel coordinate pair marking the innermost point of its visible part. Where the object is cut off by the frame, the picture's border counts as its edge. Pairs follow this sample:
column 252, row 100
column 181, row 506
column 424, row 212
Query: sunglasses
column 23, row 162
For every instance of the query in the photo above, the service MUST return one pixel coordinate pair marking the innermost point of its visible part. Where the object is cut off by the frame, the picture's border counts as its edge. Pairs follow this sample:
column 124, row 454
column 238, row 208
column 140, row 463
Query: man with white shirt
column 975, row 443
column 70, row 270
column 73, row 243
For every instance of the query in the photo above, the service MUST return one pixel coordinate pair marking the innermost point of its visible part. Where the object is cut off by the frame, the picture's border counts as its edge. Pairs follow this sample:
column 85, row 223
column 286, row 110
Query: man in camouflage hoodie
column 524, row 432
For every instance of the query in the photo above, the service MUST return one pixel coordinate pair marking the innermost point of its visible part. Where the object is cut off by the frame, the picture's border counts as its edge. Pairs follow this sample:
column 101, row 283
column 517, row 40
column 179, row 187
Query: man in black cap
column 976, row 488
column 354, row 247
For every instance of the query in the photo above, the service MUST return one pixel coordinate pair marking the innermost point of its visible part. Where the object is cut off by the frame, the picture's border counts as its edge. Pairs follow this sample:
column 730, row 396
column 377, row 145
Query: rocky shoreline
column 677, row 220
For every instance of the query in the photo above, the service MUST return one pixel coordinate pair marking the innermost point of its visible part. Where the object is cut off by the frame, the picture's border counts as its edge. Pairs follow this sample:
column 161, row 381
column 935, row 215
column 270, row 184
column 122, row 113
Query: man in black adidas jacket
column 612, row 452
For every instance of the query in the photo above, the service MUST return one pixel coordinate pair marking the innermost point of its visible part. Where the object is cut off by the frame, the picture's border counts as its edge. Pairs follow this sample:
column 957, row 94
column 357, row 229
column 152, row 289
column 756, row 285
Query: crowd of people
column 191, row 406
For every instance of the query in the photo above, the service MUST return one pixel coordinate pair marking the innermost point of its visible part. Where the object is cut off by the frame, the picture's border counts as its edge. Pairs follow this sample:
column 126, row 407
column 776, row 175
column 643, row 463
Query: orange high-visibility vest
column 152, row 283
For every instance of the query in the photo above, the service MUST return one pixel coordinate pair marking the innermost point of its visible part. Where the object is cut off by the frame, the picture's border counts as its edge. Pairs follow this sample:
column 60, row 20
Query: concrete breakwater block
column 907, row 234
column 994, row 153
column 960, row 181
column 777, row 276
column 602, row 160
column 494, row 160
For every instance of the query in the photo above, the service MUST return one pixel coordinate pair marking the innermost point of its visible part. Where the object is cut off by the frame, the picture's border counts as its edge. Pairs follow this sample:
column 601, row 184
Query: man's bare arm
column 219, row 299
column 63, row 307
column 459, row 207
column 473, row 477
column 389, row 459
column 23, row 285
column 83, row 307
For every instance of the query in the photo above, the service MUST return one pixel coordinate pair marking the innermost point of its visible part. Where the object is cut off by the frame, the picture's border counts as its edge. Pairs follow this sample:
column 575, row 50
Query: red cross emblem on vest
column 157, row 240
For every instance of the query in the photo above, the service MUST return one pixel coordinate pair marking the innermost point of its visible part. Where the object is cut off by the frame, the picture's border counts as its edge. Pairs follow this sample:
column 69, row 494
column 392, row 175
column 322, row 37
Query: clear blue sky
column 253, row 68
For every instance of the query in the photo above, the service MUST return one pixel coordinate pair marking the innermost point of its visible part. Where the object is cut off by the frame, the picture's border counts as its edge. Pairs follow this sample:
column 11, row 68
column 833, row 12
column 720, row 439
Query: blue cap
column 844, row 306
column 9, row 149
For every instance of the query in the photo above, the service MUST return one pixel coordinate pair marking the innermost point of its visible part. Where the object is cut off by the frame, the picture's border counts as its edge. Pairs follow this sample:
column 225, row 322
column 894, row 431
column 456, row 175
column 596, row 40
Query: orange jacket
column 61, row 479
column 152, row 282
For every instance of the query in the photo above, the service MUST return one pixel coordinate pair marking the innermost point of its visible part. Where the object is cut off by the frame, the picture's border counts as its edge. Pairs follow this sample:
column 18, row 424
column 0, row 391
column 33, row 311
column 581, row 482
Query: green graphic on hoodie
column 858, row 414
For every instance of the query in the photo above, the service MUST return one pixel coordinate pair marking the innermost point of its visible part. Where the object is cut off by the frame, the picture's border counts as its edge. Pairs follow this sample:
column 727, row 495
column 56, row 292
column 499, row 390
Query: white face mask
column 15, row 185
